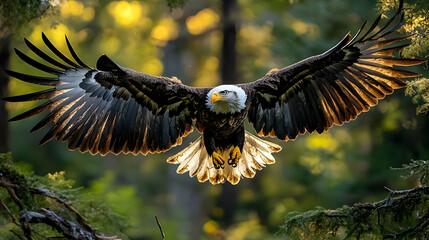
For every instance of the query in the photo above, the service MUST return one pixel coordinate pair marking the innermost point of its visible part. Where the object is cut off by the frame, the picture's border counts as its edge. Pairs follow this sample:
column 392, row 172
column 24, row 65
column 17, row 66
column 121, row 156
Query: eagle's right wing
column 330, row 88
column 109, row 109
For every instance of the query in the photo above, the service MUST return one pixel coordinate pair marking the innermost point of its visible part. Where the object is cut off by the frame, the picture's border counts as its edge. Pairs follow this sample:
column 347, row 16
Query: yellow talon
column 235, row 155
column 218, row 160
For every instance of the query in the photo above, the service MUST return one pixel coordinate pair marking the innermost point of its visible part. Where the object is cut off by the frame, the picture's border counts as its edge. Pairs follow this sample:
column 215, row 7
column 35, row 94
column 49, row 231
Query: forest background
column 344, row 166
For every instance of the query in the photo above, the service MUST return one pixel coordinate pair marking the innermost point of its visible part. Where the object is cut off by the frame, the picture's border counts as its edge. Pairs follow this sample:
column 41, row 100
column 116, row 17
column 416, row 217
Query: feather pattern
column 256, row 154
column 112, row 109
column 330, row 88
column 115, row 109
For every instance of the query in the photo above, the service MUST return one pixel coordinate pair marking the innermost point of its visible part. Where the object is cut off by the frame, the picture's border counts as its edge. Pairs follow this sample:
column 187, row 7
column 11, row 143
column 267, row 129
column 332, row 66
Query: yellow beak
column 216, row 97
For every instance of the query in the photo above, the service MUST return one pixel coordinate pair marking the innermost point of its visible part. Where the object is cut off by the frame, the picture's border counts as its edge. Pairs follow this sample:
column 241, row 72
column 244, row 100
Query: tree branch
column 383, row 218
column 160, row 228
column 81, row 219
column 22, row 194
column 10, row 188
column 9, row 212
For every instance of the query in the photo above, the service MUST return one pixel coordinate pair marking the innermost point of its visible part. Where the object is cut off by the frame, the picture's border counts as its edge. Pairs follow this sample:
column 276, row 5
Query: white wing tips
column 257, row 153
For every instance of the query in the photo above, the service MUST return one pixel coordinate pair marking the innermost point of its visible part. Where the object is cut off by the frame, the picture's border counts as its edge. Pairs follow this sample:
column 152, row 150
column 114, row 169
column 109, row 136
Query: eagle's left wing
column 108, row 109
column 330, row 88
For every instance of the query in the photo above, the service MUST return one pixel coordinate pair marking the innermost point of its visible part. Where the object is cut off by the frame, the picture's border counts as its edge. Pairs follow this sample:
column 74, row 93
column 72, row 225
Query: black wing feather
column 330, row 88
column 33, row 79
column 57, row 52
column 44, row 94
column 112, row 109
column 74, row 55
column 36, row 64
column 44, row 56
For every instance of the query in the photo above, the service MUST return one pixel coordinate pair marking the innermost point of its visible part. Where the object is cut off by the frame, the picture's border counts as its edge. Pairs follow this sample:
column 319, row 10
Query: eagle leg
column 218, row 160
column 235, row 155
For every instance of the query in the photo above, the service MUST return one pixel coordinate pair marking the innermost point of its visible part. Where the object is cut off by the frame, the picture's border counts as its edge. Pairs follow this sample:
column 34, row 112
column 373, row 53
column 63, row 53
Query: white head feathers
column 226, row 99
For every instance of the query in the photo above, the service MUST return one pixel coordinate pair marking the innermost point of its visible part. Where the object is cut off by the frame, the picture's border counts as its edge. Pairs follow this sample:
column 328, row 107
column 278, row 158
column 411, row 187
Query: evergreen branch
column 366, row 219
column 421, row 225
column 408, row 191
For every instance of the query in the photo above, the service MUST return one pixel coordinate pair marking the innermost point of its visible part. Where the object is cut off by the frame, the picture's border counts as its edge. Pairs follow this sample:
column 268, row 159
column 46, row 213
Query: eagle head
column 226, row 99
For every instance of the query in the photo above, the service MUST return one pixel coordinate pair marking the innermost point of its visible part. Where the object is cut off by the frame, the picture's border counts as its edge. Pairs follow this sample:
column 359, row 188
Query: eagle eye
column 223, row 92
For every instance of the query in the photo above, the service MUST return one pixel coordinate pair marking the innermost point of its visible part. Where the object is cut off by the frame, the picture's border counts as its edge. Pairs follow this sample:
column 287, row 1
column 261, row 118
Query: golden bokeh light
column 164, row 31
column 72, row 8
column 110, row 44
column 77, row 9
column 211, row 227
column 88, row 14
column 301, row 28
column 208, row 75
column 56, row 35
column 256, row 35
column 125, row 13
column 152, row 66
column 322, row 141
column 313, row 163
column 202, row 21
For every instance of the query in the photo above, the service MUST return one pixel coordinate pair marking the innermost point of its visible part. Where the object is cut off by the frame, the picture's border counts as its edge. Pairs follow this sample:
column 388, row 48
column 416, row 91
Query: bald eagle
column 115, row 109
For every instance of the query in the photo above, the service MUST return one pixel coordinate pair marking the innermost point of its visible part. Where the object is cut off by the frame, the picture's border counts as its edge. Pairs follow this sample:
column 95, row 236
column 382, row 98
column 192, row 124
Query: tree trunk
column 228, row 198
column 5, row 41
column 229, row 18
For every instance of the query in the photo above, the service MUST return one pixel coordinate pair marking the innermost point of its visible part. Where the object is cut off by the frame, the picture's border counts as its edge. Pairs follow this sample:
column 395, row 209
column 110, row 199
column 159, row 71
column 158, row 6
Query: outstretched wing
column 330, row 88
column 112, row 109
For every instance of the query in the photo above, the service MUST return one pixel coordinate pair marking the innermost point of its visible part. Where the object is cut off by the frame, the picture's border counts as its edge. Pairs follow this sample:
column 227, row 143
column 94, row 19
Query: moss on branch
column 42, row 207
column 401, row 215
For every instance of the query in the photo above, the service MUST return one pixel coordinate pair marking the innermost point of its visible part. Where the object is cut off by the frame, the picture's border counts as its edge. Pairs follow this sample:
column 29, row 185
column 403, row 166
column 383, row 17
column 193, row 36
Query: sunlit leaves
column 419, row 89
column 416, row 15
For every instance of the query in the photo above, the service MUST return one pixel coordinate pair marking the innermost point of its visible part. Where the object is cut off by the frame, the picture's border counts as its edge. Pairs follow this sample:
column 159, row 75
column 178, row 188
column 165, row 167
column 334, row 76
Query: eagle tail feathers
column 256, row 154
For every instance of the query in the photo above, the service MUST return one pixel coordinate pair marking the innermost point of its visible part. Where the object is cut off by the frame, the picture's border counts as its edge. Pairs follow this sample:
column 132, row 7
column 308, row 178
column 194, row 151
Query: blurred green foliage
column 346, row 165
